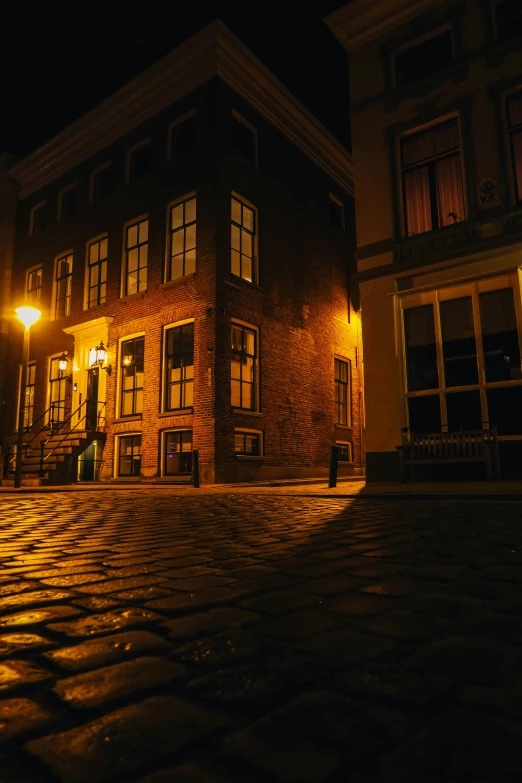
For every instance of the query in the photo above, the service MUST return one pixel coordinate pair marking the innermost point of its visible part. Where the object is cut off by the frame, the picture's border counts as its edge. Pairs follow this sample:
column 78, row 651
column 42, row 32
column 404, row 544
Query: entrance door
column 91, row 420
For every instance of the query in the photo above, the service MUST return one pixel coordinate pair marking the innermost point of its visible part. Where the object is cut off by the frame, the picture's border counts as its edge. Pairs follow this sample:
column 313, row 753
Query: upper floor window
column 342, row 391
column 136, row 257
column 101, row 183
column 97, row 272
column 63, row 285
column 424, row 58
column 508, row 19
column 432, row 178
column 247, row 443
column 179, row 363
column 182, row 239
column 29, row 395
column 139, row 161
column 243, row 369
column 38, row 218
column 243, row 137
column 336, row 212
column 183, row 134
column 132, row 364
column 243, row 240
column 33, row 287
column 514, row 112
column 67, row 202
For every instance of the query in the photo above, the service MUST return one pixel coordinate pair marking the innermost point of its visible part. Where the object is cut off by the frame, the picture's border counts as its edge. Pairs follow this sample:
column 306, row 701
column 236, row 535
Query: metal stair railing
column 81, row 418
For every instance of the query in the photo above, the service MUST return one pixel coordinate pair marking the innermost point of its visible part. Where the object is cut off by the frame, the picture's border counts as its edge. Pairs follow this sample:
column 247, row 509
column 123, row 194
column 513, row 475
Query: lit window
column 97, row 272
column 63, row 285
column 342, row 391
column 243, row 240
column 514, row 111
column 136, row 256
column 243, row 138
column 336, row 212
column 57, row 392
column 247, row 444
column 34, row 285
column 132, row 362
column 432, row 178
column 29, row 395
column 129, row 455
column 182, row 239
column 344, row 451
column 177, row 450
column 179, row 376
column 244, row 368
column 423, row 59
column 139, row 162
column 183, row 134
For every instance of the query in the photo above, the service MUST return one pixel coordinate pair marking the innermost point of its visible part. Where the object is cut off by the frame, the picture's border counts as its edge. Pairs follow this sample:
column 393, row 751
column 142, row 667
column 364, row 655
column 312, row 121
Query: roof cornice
column 214, row 51
column 362, row 21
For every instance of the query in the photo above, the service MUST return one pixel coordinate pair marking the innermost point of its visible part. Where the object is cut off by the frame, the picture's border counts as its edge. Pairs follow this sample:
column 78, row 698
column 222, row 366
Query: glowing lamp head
column 62, row 364
column 98, row 355
column 28, row 315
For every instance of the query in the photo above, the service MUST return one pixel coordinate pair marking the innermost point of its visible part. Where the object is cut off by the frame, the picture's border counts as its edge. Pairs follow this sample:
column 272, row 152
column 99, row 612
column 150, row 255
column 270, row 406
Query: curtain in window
column 430, row 143
column 417, row 201
column 450, row 196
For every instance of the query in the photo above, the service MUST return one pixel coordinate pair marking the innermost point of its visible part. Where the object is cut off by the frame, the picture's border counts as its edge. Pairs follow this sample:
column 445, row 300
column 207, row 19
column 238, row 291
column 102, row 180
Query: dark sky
column 56, row 65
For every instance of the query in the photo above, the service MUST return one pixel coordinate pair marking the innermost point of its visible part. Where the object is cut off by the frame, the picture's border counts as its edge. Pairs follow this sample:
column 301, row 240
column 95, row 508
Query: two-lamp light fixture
column 97, row 358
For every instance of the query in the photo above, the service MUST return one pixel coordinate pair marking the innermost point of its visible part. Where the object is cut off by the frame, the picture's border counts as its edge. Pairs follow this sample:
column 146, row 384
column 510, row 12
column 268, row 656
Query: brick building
column 436, row 117
column 199, row 224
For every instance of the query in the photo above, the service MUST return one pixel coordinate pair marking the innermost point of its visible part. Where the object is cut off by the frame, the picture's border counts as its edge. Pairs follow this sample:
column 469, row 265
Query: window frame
column 125, row 250
column 120, row 389
column 30, row 366
column 63, row 192
column 163, row 451
column 32, row 213
column 28, row 273
column 255, row 239
column 49, row 381
column 400, row 171
column 348, row 443
column 164, row 382
column 348, row 385
column 169, row 235
column 250, row 431
column 256, row 383
column 88, row 266
column 248, row 125
column 447, row 292
column 417, row 42
column 117, row 454
column 128, row 160
column 68, row 297
column 174, row 124
column 92, row 177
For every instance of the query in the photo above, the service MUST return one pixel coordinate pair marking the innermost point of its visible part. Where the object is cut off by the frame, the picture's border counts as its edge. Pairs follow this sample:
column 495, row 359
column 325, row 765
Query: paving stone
column 280, row 602
column 98, row 751
column 403, row 625
column 107, row 649
column 348, row 645
column 470, row 659
column 201, row 583
column 21, row 642
column 12, row 588
column 377, row 570
column 398, row 686
column 73, row 579
column 206, row 623
column 502, row 573
column 225, row 649
column 359, row 604
column 398, row 586
column 478, row 588
column 108, row 621
column 507, row 699
column 186, row 774
column 116, row 585
column 16, row 673
column 96, row 603
column 112, row 683
column 37, row 616
column 9, row 602
column 19, row 717
column 488, row 625
column 331, row 585
column 49, row 573
column 443, row 605
column 198, row 599
column 301, row 624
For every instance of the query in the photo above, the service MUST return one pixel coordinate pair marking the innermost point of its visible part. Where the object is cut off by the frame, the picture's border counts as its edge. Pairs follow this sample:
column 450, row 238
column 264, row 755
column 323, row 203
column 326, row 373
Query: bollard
column 334, row 461
column 195, row 468
column 42, row 447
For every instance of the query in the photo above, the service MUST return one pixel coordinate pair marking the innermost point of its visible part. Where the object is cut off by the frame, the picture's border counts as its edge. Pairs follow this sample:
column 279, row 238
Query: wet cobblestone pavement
column 152, row 637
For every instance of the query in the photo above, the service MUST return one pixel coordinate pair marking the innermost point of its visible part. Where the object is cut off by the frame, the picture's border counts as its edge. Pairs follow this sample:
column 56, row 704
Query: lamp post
column 28, row 316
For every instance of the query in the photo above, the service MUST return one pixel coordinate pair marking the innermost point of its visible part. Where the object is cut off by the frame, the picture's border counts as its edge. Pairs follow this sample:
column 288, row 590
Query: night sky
column 57, row 63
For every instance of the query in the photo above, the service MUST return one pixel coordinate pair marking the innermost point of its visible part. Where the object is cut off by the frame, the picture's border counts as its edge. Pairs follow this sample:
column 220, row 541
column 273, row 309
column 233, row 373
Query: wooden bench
column 443, row 448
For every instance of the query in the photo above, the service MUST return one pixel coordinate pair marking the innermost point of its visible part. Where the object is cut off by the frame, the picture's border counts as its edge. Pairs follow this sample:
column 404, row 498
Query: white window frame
column 255, row 242
column 168, row 235
column 54, row 308
column 86, row 287
column 174, row 124
column 61, row 194
column 350, row 459
column 32, row 213
column 48, row 384
column 128, row 157
column 32, row 363
column 118, row 436
column 257, row 409
column 239, row 117
column 28, row 272
column 349, row 402
column 165, row 329
column 92, row 177
column 251, row 431
column 123, row 282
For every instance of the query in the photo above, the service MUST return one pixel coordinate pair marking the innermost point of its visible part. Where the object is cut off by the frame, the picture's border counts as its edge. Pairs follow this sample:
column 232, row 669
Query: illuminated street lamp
column 28, row 316
column 98, row 356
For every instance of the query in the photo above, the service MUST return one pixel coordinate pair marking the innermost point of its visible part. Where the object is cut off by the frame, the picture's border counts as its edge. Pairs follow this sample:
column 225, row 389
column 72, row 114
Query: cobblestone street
column 156, row 637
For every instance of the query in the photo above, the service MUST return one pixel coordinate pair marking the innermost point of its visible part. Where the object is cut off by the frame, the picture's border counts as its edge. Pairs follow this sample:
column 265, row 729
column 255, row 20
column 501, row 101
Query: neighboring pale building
column 436, row 113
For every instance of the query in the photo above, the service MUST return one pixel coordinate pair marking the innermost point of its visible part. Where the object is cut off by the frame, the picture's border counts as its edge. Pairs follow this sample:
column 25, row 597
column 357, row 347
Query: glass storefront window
column 500, row 335
column 421, row 350
column 458, row 342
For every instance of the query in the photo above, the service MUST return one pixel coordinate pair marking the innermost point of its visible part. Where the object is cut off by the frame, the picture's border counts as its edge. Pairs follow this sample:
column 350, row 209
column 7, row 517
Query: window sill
column 344, row 426
column 178, row 412
column 177, row 281
column 129, row 297
column 241, row 412
column 234, row 281
column 249, row 458
column 122, row 419
column 127, row 479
